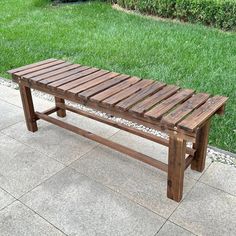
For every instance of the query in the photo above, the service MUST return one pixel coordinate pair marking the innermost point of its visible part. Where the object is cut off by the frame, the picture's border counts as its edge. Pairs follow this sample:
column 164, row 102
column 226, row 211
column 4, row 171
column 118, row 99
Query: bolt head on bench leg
column 198, row 162
column 176, row 167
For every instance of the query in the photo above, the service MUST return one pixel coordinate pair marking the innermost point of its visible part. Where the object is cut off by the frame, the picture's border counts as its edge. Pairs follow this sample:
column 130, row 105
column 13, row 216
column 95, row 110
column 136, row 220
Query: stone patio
column 53, row 182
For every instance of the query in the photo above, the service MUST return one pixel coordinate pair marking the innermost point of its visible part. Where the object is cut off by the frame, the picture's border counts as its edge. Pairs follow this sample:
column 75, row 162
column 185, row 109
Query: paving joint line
column 156, row 234
column 10, row 126
column 21, row 196
column 14, row 198
column 217, row 189
column 115, row 191
column 11, row 103
column 33, row 148
column 42, row 217
column 8, row 205
column 8, row 192
column 136, row 203
column 184, row 197
column 187, row 194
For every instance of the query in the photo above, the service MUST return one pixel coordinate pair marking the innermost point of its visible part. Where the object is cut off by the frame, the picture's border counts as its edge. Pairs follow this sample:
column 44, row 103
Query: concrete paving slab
column 22, row 168
column 5, row 199
column 9, row 114
column 136, row 180
column 58, row 143
column 171, row 229
column 79, row 206
column 12, row 96
column 207, row 211
column 18, row 220
column 221, row 176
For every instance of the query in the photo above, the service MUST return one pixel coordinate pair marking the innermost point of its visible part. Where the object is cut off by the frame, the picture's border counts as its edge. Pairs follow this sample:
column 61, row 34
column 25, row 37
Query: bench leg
column 198, row 162
column 28, row 107
column 176, row 167
column 61, row 112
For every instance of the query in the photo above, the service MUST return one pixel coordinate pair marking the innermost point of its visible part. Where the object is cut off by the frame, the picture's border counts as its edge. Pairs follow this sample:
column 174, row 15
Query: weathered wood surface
column 28, row 106
column 203, row 113
column 176, row 167
column 199, row 157
column 187, row 107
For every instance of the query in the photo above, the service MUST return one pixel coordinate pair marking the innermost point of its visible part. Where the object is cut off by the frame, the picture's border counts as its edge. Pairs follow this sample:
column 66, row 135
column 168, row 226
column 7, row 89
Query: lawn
column 94, row 34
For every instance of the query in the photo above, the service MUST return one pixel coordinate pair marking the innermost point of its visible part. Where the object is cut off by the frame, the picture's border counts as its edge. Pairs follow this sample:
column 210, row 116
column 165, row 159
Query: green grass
column 94, row 34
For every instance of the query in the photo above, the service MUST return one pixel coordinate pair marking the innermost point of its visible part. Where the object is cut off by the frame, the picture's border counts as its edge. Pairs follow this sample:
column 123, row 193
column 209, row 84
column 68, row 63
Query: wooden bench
column 181, row 113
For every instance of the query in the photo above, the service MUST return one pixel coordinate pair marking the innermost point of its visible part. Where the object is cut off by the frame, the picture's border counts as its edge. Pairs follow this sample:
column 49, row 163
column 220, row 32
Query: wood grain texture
column 114, row 90
column 111, row 101
column 58, row 78
column 46, row 70
column 41, row 68
column 53, row 75
column 139, row 96
column 203, row 113
column 183, row 115
column 13, row 71
column 158, row 111
column 187, row 107
column 70, row 85
column 60, row 111
column 176, row 167
column 103, row 86
column 199, row 158
column 28, row 108
column 143, row 106
column 93, row 83
column 71, row 76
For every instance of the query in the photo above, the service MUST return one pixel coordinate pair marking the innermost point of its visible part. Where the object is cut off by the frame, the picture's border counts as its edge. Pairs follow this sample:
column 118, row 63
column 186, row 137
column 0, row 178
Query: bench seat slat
column 22, row 68
column 40, row 68
column 158, row 111
column 47, row 70
column 140, row 95
column 143, row 106
column 58, row 79
column 93, row 83
column 114, row 90
column 111, row 101
column 55, row 73
column 71, row 76
column 183, row 110
column 103, row 86
column 53, row 76
column 66, row 87
column 200, row 115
